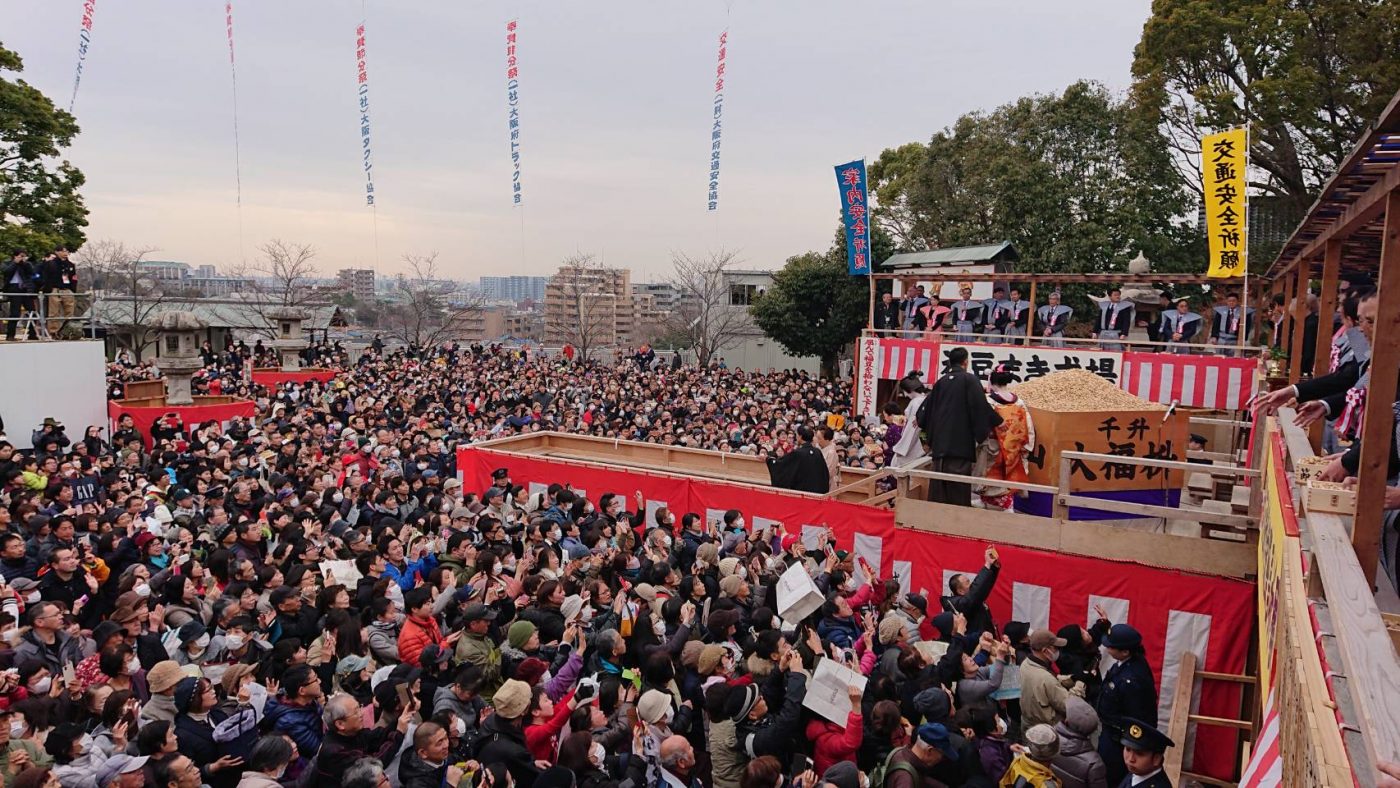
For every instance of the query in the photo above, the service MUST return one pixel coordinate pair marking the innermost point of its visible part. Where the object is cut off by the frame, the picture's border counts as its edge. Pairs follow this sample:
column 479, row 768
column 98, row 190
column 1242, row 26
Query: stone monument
column 179, row 355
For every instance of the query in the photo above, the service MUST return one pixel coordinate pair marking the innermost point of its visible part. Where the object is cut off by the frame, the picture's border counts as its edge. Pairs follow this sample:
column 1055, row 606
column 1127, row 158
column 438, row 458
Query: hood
column 1072, row 742
column 1080, row 717
column 759, row 667
column 933, row 703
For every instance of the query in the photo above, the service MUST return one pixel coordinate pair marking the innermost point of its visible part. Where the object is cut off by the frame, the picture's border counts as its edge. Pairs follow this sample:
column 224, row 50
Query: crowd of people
column 313, row 597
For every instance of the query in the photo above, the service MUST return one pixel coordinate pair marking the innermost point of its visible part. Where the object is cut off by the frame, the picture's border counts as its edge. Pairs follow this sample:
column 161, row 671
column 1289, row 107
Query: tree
column 704, row 320
column 40, row 207
column 815, row 308
column 426, row 311
column 127, row 299
column 588, row 297
column 1307, row 75
column 280, row 280
column 1071, row 179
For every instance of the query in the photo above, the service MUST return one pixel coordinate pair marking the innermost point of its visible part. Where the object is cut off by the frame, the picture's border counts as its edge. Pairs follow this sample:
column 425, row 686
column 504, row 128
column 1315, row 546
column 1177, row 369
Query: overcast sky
column 615, row 102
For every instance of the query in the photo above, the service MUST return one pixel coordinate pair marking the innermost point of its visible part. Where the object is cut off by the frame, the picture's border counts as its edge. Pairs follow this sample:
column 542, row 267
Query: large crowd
column 313, row 597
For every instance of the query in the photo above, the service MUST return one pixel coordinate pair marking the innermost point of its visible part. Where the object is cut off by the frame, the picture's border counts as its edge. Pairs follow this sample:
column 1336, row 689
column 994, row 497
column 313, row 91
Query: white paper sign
column 536, row 487
column 652, row 506
column 932, row 650
column 759, row 523
column 828, row 693
column 345, row 572
column 798, row 596
column 1010, row 688
column 714, row 516
column 812, row 536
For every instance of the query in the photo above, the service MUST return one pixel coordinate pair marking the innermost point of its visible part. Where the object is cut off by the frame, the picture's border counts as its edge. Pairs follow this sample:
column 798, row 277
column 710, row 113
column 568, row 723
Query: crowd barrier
column 1176, row 611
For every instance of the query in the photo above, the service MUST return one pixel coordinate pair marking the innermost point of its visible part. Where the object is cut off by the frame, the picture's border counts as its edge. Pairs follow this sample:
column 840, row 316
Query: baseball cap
column 1044, row 638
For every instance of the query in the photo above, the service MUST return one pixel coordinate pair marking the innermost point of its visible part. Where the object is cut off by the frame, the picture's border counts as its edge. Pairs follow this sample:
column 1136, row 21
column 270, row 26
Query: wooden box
column 1130, row 433
column 1329, row 497
column 1306, row 468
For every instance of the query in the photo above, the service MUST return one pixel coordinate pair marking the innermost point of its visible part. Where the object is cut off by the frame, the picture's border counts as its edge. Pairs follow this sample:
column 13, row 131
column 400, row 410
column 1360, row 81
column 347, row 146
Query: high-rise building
column 589, row 307
column 514, row 288
column 664, row 297
column 359, row 281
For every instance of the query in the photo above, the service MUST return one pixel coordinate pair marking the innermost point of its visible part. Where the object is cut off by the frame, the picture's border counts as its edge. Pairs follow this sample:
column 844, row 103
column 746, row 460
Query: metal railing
column 26, row 316
column 1126, row 343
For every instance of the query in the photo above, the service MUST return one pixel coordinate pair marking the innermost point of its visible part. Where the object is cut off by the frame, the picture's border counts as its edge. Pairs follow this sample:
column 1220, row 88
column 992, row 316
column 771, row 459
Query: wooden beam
column 1206, row 674
column 1201, row 719
column 1191, row 467
column 1327, row 306
column 1377, row 431
column 1299, row 314
column 1368, row 659
column 1181, row 715
column 1361, row 212
column 1030, row 318
column 1164, row 512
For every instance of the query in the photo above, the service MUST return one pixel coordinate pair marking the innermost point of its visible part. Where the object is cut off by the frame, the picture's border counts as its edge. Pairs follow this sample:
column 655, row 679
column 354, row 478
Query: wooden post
column 1030, row 317
column 1378, row 429
column 1327, row 307
column 1298, row 315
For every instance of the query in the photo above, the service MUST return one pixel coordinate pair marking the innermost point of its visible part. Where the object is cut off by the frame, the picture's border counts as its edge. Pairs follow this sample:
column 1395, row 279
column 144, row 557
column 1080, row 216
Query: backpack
column 888, row 766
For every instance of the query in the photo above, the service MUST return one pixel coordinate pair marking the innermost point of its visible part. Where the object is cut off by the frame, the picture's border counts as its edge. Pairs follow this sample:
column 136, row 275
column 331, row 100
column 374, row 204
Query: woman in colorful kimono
column 936, row 315
column 1013, row 440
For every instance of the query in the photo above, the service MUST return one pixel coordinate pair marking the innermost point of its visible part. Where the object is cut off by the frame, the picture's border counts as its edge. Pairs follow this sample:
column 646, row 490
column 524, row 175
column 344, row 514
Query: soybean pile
column 1079, row 390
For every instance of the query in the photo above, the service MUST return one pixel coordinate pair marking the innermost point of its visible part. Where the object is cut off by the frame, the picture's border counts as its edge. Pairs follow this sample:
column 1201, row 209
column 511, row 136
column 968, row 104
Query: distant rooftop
column 1002, row 252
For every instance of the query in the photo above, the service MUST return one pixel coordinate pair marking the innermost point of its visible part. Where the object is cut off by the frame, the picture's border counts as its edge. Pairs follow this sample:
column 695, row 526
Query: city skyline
column 615, row 132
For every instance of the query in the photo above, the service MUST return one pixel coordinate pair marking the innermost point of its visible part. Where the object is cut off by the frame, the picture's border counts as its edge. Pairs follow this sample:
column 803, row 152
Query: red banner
column 191, row 415
column 1175, row 611
column 276, row 377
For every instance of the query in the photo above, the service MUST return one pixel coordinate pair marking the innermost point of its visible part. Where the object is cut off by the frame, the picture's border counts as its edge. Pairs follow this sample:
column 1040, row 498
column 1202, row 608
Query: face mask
column 32, row 597
column 16, row 729
column 743, row 572
column 497, row 569
column 42, row 687
column 142, row 589
column 12, row 637
column 202, row 642
column 460, row 725
column 556, row 534
column 669, row 542
column 243, row 462
column 445, row 507
column 337, row 497
column 659, row 627
column 1001, row 726
column 133, row 664
column 597, row 754
column 234, row 641
column 86, row 742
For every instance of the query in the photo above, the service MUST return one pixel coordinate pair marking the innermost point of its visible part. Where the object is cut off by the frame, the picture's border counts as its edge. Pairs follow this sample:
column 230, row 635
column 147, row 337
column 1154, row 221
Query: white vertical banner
column 871, row 548
column 651, row 507
column 812, row 536
column 1031, row 603
column 1117, row 610
column 1185, row 632
column 903, row 570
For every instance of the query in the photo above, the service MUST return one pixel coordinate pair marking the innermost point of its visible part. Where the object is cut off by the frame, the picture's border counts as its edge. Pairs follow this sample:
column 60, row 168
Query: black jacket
column 973, row 604
column 52, row 274
column 414, row 772
column 955, row 416
column 28, row 278
column 802, row 469
column 338, row 752
column 505, row 744
column 776, row 732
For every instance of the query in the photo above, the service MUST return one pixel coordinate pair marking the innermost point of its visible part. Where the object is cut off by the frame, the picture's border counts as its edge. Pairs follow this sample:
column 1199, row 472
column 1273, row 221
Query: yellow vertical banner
column 1224, row 160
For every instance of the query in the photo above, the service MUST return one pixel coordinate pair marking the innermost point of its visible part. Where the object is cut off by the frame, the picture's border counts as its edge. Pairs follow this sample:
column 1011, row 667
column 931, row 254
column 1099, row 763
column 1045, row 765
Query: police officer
column 1144, row 749
column 1128, row 692
column 500, row 479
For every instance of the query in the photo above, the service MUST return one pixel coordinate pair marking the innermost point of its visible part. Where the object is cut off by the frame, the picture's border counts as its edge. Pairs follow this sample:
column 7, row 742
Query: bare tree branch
column 127, row 297
column 586, row 305
column 280, row 279
column 427, row 311
column 704, row 316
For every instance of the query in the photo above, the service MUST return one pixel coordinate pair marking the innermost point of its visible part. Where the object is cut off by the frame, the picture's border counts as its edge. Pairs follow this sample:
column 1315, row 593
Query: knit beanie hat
column 728, row 566
column 729, row 586
column 531, row 670
column 184, row 693
column 519, row 633
column 709, row 658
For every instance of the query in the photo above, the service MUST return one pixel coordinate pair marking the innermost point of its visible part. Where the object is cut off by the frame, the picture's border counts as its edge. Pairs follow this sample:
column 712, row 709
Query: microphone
column 1170, row 410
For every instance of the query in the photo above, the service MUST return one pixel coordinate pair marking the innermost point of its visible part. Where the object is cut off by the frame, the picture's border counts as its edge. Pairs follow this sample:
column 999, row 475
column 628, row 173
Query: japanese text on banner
column 84, row 39
column 362, row 79
column 1224, row 160
column 717, row 128
column 1030, row 363
column 855, row 211
column 513, row 96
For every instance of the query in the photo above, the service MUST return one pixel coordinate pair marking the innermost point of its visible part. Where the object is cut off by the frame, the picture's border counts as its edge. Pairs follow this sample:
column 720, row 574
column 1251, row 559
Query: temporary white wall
column 65, row 380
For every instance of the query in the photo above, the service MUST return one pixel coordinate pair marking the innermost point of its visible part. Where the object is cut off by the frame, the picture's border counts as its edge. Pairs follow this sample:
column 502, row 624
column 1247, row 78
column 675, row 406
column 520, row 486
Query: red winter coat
column 834, row 743
column 414, row 636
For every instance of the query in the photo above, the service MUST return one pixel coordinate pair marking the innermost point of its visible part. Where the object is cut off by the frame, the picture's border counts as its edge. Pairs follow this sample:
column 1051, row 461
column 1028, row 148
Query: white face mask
column 202, row 642
column 337, row 497
column 133, row 664
column 234, row 641
column 459, row 725
column 497, row 569
column 142, row 589
column 16, row 729
column 659, row 627
column 32, row 597
column 42, row 687
column 597, row 754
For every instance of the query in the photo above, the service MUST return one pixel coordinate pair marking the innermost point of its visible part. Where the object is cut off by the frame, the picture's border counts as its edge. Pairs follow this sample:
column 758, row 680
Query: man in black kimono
column 956, row 418
column 803, row 468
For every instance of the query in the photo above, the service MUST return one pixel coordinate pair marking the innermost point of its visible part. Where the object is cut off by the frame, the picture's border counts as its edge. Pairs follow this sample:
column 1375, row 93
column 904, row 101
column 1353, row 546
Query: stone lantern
column 179, row 357
column 290, row 341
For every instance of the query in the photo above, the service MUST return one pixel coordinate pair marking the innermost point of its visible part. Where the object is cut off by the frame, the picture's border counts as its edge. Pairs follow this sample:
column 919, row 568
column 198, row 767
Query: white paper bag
column 797, row 594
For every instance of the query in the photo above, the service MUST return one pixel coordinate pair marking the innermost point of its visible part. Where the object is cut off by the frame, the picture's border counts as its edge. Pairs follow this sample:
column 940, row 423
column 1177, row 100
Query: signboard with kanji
column 1029, row 363
column 1122, row 433
column 855, row 212
column 1224, row 160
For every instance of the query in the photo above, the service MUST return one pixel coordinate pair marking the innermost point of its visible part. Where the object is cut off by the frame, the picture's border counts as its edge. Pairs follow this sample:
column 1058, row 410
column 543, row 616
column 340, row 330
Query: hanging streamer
column 513, row 96
column 362, row 78
column 718, row 118
column 84, row 38
column 237, row 154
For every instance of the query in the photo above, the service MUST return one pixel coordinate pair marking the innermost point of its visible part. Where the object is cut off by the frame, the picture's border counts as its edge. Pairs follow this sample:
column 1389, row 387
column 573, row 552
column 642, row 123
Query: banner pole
column 870, row 265
column 1244, row 329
